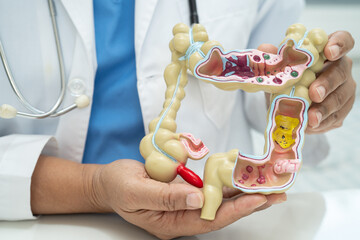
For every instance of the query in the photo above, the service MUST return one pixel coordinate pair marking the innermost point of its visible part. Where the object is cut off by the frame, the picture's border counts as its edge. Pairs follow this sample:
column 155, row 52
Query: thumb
column 160, row 196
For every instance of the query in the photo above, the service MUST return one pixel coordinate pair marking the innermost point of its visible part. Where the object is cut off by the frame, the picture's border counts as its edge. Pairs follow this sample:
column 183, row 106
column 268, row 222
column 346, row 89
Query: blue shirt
column 116, row 125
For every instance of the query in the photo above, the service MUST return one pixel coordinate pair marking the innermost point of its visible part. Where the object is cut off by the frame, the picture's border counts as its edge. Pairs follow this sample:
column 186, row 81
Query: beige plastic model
column 165, row 151
column 287, row 75
column 275, row 171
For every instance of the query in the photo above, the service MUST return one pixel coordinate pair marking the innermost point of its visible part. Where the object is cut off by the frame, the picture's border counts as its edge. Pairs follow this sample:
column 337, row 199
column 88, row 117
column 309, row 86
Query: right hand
column 166, row 210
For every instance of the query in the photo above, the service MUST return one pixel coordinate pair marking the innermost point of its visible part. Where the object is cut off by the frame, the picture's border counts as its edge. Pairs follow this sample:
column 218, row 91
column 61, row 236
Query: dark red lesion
column 252, row 178
column 245, row 176
column 277, row 80
column 238, row 67
column 249, row 175
column 261, row 179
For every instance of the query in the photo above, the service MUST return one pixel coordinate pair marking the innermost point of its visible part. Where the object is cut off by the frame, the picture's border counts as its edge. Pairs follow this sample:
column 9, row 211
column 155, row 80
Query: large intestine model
column 287, row 75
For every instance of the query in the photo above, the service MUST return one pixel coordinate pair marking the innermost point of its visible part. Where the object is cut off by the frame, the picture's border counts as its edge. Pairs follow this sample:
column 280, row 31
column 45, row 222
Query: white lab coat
column 221, row 119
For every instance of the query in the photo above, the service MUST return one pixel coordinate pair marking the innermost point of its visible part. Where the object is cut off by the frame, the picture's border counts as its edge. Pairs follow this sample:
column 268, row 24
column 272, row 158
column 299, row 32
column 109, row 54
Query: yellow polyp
column 283, row 134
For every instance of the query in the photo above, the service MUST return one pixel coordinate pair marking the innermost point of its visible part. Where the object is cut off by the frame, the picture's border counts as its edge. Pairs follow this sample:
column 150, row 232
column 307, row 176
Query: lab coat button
column 76, row 86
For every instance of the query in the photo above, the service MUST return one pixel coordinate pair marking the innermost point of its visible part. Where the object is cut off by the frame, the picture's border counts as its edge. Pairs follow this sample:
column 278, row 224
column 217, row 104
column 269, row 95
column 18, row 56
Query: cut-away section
column 275, row 170
column 254, row 66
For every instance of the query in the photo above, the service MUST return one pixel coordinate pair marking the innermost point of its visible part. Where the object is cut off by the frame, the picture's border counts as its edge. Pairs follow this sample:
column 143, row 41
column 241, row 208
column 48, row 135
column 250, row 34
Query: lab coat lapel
column 82, row 15
column 73, row 126
column 144, row 11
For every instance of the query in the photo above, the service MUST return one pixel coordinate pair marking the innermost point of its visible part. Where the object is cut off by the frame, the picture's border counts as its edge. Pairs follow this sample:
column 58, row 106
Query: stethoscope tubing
column 194, row 17
column 36, row 113
column 81, row 101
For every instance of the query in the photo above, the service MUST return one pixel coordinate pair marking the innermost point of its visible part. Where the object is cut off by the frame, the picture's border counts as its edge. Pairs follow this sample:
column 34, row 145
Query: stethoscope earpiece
column 82, row 101
column 7, row 111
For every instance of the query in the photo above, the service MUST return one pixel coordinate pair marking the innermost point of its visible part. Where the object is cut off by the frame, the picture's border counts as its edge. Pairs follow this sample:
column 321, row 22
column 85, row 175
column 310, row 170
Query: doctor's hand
column 166, row 210
column 333, row 92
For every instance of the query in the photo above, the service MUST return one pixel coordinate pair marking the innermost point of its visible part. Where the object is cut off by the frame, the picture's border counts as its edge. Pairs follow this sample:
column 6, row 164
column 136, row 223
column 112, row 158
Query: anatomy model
column 287, row 75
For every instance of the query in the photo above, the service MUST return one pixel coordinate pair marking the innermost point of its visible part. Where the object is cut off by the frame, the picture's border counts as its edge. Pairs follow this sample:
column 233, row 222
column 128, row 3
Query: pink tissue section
column 195, row 147
column 254, row 66
column 286, row 166
column 276, row 168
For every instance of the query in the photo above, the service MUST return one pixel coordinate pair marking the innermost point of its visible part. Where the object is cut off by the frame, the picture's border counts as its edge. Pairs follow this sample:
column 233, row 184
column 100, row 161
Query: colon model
column 287, row 75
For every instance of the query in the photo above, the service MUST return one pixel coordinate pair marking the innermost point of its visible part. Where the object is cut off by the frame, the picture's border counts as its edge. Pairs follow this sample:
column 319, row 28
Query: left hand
column 333, row 92
column 166, row 210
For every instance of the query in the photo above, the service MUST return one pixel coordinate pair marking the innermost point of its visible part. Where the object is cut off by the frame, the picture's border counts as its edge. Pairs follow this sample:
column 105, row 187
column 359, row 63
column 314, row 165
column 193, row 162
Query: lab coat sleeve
column 274, row 17
column 18, row 157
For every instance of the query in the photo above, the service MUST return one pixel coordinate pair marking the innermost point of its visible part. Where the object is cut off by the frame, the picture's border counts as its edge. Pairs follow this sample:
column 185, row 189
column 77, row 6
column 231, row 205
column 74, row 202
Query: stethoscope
column 7, row 111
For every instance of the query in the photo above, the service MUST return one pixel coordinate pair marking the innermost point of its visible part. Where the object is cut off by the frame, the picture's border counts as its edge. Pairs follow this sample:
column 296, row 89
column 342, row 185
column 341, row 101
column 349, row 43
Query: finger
column 269, row 48
column 179, row 179
column 160, row 196
column 335, row 120
column 273, row 199
column 232, row 210
column 230, row 192
column 332, row 103
column 188, row 222
column 143, row 192
column 335, row 75
column 339, row 43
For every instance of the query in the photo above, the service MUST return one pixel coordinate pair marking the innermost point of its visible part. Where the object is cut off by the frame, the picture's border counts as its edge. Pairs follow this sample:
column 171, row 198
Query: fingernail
column 334, row 51
column 318, row 117
column 194, row 200
column 279, row 200
column 321, row 92
column 262, row 202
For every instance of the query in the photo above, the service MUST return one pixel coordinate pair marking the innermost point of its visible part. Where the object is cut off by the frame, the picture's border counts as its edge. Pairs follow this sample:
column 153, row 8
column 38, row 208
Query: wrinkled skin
column 161, row 208
column 332, row 104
